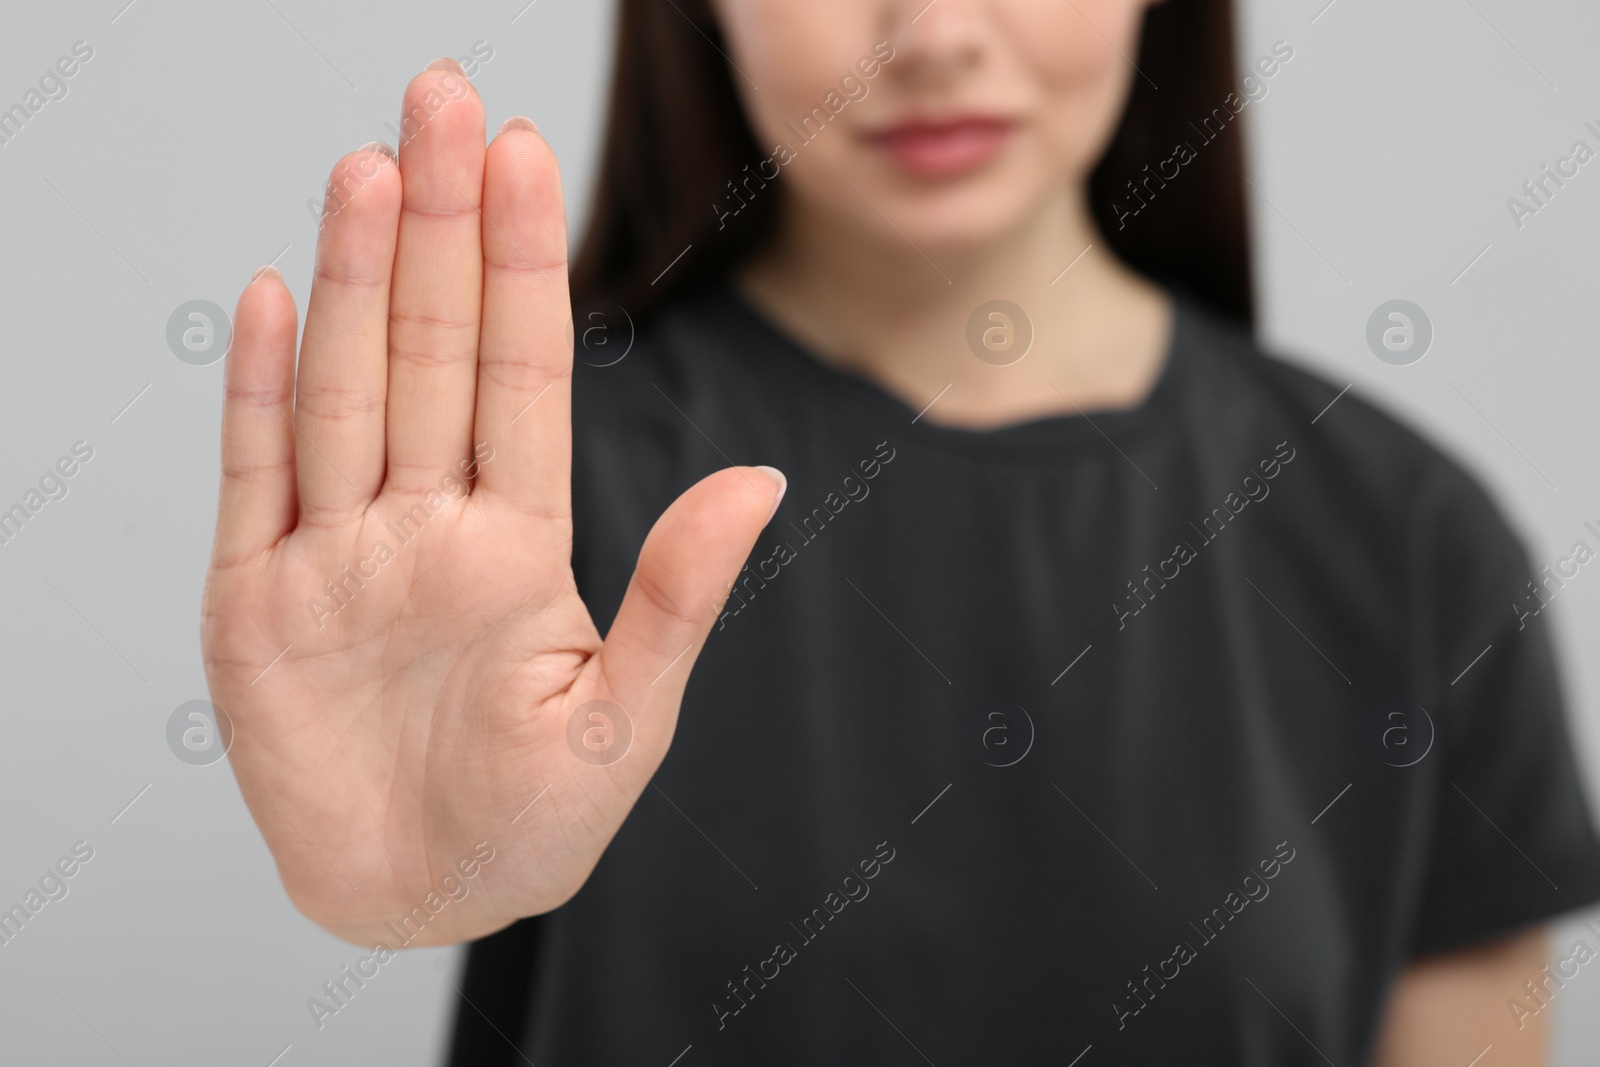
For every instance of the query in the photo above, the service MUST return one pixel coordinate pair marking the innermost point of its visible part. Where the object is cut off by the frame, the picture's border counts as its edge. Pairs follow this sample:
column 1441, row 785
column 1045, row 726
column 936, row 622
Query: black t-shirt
column 1156, row 735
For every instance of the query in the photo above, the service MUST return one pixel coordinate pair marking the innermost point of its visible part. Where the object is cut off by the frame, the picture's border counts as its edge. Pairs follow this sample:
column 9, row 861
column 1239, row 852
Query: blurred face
column 957, row 120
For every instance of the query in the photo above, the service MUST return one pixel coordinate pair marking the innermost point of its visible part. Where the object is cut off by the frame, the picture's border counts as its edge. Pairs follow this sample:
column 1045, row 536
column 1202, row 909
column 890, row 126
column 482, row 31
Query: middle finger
column 435, row 305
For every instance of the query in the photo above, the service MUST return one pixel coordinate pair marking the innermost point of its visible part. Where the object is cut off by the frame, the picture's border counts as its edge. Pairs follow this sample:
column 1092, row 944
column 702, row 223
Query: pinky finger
column 256, row 505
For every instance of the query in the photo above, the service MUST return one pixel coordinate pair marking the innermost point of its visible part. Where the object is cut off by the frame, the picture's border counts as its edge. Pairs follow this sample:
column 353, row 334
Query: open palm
column 390, row 619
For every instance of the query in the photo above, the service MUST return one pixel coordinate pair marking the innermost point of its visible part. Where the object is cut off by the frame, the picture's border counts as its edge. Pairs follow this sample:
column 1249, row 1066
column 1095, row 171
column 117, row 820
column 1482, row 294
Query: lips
column 946, row 148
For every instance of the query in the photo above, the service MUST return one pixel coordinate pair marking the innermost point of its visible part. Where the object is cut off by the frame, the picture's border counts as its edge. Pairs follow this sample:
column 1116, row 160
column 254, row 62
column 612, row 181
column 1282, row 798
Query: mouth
column 943, row 148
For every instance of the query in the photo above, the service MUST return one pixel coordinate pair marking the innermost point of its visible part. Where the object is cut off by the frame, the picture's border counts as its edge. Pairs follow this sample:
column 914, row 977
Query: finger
column 525, row 354
column 343, row 376
column 689, row 562
column 256, row 504
column 436, row 302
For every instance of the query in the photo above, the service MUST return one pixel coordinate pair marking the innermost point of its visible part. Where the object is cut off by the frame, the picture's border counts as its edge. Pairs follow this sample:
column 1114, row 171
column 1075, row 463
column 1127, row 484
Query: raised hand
column 390, row 619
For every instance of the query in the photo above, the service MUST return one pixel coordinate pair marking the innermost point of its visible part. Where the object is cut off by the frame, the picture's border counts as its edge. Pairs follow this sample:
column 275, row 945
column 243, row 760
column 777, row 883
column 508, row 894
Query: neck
column 880, row 307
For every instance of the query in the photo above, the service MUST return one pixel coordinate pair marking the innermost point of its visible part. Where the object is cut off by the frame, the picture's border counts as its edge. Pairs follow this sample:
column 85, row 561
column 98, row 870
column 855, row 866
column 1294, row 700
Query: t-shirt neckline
column 1042, row 437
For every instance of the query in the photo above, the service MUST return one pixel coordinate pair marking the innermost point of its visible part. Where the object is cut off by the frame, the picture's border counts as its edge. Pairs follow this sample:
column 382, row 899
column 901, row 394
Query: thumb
column 687, row 565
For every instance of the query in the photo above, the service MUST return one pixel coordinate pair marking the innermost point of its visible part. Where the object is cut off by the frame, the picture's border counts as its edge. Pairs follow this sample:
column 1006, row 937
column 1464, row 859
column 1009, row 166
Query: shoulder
column 1359, row 456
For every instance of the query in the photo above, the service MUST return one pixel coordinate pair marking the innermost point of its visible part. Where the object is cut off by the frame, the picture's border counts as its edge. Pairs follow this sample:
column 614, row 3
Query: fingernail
column 382, row 150
column 446, row 63
column 518, row 122
column 783, row 486
column 268, row 269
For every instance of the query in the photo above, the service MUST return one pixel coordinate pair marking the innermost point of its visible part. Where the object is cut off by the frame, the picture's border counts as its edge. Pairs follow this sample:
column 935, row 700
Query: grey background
column 182, row 158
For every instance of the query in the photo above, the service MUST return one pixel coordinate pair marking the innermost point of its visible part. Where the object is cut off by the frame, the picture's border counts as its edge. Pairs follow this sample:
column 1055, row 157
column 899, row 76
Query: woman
column 1302, row 794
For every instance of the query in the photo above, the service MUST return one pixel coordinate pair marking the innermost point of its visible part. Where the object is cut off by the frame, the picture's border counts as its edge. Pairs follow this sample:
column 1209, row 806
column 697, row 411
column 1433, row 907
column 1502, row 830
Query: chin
column 955, row 216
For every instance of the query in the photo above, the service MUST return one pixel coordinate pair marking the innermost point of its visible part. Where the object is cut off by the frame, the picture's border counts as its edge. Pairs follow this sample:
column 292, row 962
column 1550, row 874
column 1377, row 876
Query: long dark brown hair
column 676, row 135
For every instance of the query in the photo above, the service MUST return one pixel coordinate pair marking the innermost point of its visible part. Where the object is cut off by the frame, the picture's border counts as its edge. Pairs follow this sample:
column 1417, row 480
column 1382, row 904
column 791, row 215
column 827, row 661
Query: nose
column 934, row 40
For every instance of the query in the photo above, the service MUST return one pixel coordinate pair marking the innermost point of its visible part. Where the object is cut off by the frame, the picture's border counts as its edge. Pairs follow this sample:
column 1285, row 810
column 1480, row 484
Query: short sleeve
column 1514, row 840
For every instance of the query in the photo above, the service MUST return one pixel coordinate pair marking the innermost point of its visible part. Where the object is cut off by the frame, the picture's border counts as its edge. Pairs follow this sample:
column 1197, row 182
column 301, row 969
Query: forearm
column 1447, row 1010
